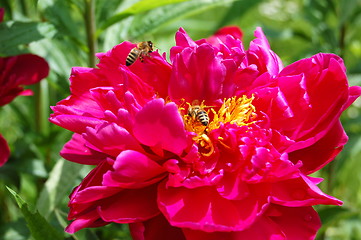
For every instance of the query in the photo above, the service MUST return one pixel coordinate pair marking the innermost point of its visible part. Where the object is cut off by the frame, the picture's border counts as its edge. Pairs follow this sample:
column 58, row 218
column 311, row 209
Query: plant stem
column 89, row 18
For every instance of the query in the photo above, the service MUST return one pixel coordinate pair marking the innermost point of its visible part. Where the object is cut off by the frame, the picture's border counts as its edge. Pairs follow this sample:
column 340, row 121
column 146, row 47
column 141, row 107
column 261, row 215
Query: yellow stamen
column 239, row 111
column 234, row 110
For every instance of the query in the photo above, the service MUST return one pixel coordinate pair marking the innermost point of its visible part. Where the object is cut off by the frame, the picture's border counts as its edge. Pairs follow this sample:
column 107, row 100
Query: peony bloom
column 242, row 175
column 15, row 72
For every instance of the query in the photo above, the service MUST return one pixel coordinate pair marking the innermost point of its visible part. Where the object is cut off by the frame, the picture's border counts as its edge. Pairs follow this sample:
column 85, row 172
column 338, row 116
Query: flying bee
column 142, row 49
column 196, row 112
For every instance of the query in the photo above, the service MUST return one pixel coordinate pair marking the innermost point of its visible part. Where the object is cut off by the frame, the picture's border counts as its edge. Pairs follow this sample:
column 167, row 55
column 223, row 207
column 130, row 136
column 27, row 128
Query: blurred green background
column 68, row 32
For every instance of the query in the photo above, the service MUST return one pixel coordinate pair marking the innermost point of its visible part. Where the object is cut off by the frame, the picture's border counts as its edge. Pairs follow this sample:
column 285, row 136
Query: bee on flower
column 218, row 143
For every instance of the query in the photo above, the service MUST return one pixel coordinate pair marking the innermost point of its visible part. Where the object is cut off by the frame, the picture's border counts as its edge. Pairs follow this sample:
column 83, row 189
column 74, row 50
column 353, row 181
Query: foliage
column 68, row 33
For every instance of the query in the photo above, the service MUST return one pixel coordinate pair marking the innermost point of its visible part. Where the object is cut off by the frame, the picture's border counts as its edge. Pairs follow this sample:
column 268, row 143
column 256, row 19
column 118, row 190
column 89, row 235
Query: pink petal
column 77, row 124
column 160, row 125
column 155, row 71
column 234, row 31
column 4, row 151
column 111, row 139
column 156, row 228
column 299, row 192
column 297, row 223
column 76, row 151
column 210, row 211
column 16, row 71
column 131, row 205
column 262, row 229
column 199, row 70
column 327, row 93
column 222, row 34
column 93, row 193
column 321, row 152
column 88, row 220
column 260, row 54
column 116, row 56
column 133, row 170
column 2, row 12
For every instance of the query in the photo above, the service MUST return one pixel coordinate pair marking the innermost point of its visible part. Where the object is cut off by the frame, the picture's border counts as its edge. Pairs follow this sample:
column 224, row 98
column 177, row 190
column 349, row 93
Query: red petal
column 111, row 139
column 204, row 209
column 76, row 151
column 321, row 152
column 297, row 223
column 133, row 170
column 130, row 205
column 159, row 125
column 4, row 151
column 300, row 192
column 156, row 228
column 262, row 229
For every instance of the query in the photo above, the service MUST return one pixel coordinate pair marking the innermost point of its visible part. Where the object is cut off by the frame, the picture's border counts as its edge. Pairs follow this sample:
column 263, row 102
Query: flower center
column 202, row 119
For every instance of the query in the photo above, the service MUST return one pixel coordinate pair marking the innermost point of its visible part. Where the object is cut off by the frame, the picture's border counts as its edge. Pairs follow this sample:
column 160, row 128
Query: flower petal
column 4, row 151
column 16, row 71
column 130, row 205
column 90, row 219
column 133, row 170
column 111, row 139
column 197, row 75
column 262, row 229
column 160, row 125
column 76, row 151
column 321, row 152
column 210, row 211
column 157, row 228
column 299, row 192
column 297, row 223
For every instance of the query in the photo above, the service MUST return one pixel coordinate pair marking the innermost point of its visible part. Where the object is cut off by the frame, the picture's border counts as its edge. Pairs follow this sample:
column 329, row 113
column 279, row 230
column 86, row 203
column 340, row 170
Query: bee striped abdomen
column 202, row 117
column 132, row 56
column 199, row 114
column 142, row 49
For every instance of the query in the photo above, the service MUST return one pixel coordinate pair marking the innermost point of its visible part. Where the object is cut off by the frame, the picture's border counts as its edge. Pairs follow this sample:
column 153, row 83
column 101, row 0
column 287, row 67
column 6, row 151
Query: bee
column 198, row 113
column 142, row 49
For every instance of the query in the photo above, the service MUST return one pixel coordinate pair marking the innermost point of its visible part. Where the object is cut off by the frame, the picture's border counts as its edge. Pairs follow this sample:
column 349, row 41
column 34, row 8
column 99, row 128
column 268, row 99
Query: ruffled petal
column 157, row 228
column 197, row 75
column 262, row 229
column 133, row 170
column 300, row 192
column 297, row 223
column 90, row 219
column 130, row 205
column 16, row 71
column 159, row 124
column 4, row 151
column 76, row 151
column 210, row 211
column 321, row 152
column 111, row 139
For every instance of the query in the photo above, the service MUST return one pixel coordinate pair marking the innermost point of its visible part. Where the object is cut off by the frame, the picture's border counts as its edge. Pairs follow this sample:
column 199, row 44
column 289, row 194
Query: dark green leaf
column 40, row 229
column 139, row 7
column 161, row 16
column 59, row 184
column 13, row 34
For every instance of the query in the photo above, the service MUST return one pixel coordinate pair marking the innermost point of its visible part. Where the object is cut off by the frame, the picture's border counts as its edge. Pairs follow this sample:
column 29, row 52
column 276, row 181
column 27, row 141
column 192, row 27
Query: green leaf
column 139, row 7
column 161, row 16
column 13, row 34
column 40, row 229
column 59, row 184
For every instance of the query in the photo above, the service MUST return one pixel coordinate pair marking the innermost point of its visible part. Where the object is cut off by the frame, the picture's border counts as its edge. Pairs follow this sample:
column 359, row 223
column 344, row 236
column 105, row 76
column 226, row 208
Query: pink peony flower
column 242, row 175
column 16, row 71
column 4, row 151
